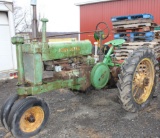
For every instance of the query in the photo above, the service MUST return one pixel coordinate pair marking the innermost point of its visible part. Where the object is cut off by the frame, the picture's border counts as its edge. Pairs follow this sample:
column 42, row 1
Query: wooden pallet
column 137, row 25
column 135, row 36
column 151, row 44
column 125, row 22
column 133, row 29
column 131, row 17
column 127, row 48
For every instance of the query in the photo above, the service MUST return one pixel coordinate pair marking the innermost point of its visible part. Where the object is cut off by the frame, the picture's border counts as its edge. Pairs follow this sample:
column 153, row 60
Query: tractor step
column 132, row 17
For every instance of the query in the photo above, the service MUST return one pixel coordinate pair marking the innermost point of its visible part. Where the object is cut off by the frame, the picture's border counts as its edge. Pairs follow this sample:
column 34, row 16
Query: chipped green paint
column 115, row 43
column 60, row 50
column 32, row 48
column 100, row 75
column 44, row 21
column 49, row 86
column 30, row 59
column 33, row 67
column 18, row 41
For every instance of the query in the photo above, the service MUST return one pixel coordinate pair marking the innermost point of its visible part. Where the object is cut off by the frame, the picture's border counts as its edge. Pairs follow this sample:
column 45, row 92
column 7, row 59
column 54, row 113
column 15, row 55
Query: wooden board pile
column 138, row 31
column 132, row 28
column 128, row 48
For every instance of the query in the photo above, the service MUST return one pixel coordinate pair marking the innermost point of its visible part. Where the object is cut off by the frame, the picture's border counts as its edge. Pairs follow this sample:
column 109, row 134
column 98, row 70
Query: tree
column 22, row 19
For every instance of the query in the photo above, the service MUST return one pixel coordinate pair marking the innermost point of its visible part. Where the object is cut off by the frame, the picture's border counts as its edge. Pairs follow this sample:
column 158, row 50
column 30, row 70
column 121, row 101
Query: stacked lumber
column 138, row 30
column 138, row 27
column 127, row 48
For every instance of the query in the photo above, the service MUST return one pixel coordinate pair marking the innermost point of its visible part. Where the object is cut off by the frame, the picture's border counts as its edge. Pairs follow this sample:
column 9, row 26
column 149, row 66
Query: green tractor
column 74, row 67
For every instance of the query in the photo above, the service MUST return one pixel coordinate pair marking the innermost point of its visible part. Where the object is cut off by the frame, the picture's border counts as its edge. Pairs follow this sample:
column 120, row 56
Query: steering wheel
column 102, row 31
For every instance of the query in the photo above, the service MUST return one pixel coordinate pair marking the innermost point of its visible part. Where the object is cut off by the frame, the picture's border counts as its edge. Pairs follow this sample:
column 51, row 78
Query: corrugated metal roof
column 92, row 2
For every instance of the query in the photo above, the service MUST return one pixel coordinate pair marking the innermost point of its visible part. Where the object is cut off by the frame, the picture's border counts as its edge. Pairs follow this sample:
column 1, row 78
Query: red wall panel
column 92, row 14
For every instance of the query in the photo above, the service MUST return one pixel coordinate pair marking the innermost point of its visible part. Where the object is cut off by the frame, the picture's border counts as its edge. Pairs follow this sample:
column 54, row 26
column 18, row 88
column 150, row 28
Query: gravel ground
column 94, row 115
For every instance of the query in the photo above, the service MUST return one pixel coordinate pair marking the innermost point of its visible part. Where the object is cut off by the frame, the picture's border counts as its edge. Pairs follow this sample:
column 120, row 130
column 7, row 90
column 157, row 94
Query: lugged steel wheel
column 6, row 108
column 138, row 79
column 28, row 117
column 143, row 80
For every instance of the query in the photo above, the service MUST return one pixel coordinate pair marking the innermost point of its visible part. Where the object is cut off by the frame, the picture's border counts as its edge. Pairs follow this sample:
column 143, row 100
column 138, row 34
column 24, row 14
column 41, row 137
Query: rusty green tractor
column 74, row 66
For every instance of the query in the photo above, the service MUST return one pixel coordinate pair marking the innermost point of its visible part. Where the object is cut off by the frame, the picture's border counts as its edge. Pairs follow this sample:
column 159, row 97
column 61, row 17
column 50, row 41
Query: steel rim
column 32, row 119
column 143, row 81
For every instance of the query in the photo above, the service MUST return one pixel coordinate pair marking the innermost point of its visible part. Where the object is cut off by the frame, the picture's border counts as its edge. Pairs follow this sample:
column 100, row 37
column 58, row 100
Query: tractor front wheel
column 28, row 117
column 6, row 108
column 138, row 79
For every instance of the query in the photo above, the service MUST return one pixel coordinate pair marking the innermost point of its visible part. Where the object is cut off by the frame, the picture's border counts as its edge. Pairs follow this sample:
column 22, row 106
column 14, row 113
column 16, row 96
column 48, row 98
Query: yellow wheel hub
column 32, row 119
column 143, row 81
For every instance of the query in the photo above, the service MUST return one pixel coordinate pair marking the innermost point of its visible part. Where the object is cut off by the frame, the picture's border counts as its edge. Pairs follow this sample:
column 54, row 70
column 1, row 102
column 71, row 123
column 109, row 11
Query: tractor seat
column 116, row 42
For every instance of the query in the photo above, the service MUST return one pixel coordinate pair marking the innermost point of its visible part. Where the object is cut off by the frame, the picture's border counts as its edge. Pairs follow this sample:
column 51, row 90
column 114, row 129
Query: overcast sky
column 63, row 15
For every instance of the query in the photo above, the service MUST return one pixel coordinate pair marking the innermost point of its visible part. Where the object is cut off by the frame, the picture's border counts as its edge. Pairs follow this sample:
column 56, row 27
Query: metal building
column 93, row 12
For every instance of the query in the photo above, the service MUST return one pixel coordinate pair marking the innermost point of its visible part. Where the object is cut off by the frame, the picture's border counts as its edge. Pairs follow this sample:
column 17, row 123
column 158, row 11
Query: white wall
column 8, row 23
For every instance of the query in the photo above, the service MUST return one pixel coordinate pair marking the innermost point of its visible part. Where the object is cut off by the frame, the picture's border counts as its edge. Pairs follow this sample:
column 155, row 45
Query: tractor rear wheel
column 138, row 79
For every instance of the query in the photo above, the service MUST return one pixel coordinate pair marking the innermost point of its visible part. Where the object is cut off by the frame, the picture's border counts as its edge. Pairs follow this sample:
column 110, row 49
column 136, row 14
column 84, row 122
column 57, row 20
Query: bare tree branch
column 22, row 18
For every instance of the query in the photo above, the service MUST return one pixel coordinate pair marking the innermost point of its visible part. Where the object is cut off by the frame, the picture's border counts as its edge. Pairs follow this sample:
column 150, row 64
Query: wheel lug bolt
column 31, row 119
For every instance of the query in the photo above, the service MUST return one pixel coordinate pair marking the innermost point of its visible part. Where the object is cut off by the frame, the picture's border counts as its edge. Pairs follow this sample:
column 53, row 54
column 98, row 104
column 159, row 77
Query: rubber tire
column 6, row 108
column 17, row 111
column 126, row 76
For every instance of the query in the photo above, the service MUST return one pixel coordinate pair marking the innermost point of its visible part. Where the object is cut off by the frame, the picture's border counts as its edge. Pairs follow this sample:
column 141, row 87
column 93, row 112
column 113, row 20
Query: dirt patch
column 97, row 114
